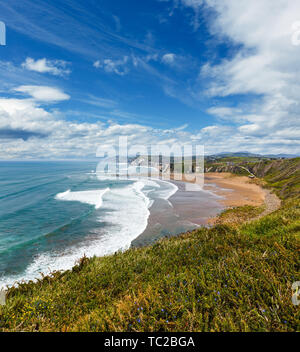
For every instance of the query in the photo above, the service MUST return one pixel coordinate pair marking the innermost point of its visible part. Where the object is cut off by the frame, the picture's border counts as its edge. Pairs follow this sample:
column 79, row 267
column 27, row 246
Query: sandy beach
column 187, row 210
column 236, row 190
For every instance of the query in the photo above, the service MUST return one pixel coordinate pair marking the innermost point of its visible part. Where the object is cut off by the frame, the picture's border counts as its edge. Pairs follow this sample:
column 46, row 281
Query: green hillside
column 226, row 278
column 283, row 175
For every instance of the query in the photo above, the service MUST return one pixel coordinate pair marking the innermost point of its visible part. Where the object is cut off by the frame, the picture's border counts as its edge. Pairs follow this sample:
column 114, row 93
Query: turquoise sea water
column 52, row 213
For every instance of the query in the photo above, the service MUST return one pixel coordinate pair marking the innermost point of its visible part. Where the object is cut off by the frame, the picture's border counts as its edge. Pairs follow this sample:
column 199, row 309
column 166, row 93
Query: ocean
column 54, row 213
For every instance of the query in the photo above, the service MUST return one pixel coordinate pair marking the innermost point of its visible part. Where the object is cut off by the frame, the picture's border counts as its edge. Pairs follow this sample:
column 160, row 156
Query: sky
column 76, row 75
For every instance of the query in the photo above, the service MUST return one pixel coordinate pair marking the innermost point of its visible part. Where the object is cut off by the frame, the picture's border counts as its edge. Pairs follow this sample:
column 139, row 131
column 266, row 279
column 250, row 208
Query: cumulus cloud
column 265, row 70
column 54, row 67
column 43, row 93
column 169, row 58
column 29, row 130
column 24, row 114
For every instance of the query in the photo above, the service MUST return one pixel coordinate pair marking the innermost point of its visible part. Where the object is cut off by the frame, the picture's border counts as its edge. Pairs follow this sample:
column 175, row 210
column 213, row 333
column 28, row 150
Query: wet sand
column 184, row 211
column 187, row 210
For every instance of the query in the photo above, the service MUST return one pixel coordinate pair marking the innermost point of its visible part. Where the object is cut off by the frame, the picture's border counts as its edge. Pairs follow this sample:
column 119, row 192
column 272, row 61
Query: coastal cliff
column 283, row 175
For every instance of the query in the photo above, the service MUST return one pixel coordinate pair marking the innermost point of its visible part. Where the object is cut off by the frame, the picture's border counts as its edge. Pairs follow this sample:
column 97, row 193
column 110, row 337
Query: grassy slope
column 283, row 176
column 228, row 278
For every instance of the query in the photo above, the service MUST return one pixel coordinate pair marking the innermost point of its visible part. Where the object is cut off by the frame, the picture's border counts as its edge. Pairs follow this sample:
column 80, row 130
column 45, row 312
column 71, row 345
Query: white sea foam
column 125, row 212
column 168, row 191
column 89, row 197
column 128, row 213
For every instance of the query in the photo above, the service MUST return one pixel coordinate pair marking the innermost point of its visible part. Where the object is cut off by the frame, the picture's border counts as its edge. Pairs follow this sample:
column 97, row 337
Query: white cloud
column 118, row 67
column 43, row 93
column 192, row 4
column 29, row 130
column 99, row 102
column 124, row 65
column 223, row 111
column 97, row 64
column 250, row 129
column 169, row 58
column 54, row 67
column 24, row 114
column 265, row 68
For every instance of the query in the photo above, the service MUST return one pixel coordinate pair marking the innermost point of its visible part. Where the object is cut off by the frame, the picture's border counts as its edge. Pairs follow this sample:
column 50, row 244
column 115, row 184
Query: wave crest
column 93, row 197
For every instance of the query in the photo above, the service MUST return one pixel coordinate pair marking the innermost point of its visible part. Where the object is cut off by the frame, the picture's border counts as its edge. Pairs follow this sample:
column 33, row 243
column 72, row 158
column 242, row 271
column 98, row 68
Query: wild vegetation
column 282, row 175
column 232, row 277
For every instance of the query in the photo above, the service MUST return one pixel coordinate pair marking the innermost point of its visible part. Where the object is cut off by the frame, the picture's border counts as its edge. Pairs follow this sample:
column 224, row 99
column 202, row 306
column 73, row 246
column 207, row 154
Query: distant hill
column 236, row 154
column 286, row 156
column 252, row 155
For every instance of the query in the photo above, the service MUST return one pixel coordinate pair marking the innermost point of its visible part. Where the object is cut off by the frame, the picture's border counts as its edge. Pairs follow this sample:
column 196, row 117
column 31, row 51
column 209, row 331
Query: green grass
column 219, row 279
column 236, row 276
column 285, row 178
column 238, row 215
column 240, row 159
column 281, row 175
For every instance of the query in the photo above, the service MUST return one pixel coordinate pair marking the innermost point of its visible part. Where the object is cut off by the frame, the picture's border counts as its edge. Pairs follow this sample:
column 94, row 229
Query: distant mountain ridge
column 247, row 154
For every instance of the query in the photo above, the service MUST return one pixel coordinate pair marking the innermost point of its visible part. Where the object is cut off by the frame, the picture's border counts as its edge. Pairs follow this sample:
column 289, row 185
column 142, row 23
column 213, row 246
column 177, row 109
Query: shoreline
column 199, row 209
column 245, row 193
column 184, row 211
column 236, row 190
column 239, row 191
column 191, row 210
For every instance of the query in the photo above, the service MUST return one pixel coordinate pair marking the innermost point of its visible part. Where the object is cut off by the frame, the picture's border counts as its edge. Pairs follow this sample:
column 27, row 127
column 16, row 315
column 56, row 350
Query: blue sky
column 77, row 74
